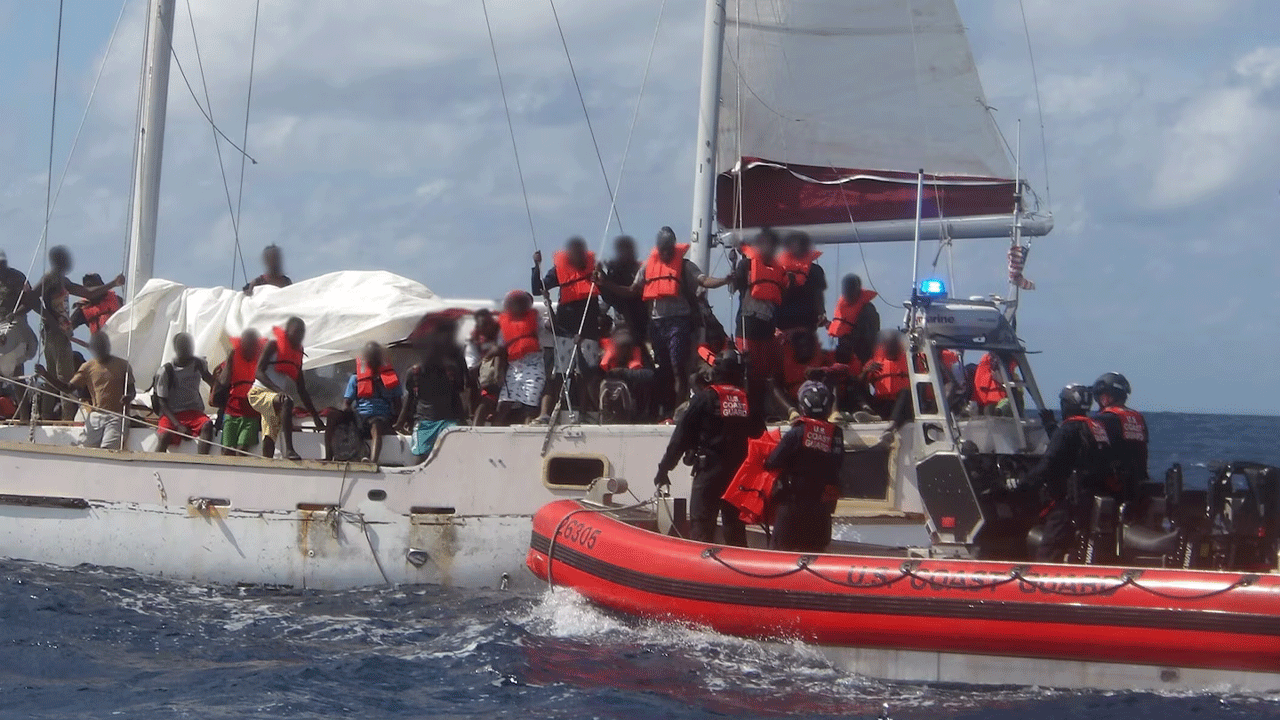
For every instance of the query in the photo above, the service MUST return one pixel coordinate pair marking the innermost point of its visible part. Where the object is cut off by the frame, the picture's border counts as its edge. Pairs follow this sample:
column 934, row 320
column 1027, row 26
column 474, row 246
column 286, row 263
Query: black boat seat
column 1144, row 540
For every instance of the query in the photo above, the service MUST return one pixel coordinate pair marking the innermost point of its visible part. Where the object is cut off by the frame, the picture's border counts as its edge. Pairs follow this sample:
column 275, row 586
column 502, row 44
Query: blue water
column 95, row 643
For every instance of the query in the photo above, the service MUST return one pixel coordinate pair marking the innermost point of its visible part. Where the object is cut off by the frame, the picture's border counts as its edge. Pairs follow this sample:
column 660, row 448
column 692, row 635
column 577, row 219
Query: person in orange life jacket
column 619, row 272
column 1127, row 430
column 988, row 386
column 179, row 399
column 623, row 362
column 804, row 301
column 856, row 322
column 374, row 395
column 95, row 313
column 808, row 459
column 760, row 283
column 888, row 376
column 280, row 384
column 434, row 389
column 576, row 321
column 273, row 264
column 802, row 360
column 714, row 430
column 669, row 282
column 1072, row 470
column 53, row 291
column 525, row 376
column 241, row 424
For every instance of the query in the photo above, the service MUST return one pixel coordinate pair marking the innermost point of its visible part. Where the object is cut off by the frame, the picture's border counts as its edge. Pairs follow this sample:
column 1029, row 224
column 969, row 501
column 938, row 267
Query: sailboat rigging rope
column 585, row 113
column 511, row 130
column 1035, row 79
column 217, row 146
column 248, row 101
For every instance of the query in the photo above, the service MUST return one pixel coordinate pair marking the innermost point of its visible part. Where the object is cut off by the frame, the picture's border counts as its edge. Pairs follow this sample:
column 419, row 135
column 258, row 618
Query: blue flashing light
column 933, row 288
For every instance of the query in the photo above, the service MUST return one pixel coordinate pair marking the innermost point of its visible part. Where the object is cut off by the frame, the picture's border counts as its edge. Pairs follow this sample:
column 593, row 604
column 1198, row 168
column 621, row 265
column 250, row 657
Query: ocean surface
column 105, row 643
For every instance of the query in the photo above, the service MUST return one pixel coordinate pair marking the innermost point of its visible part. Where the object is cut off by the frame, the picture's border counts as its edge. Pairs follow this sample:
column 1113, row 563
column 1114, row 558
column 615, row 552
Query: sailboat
column 795, row 131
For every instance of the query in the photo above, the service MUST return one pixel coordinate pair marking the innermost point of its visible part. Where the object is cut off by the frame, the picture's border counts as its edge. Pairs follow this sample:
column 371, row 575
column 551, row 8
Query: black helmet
column 1113, row 384
column 816, row 400
column 728, row 368
column 1075, row 399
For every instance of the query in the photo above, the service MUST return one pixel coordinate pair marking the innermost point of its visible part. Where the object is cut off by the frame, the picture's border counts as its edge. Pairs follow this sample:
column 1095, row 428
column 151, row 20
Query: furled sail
column 830, row 107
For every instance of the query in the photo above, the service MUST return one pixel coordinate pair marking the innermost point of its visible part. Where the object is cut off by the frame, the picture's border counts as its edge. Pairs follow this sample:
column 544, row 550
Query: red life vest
column 1133, row 427
column 987, row 390
column 520, row 334
column 1096, row 429
column 662, row 279
column 794, row 372
column 364, row 379
column 892, row 377
column 575, row 282
column 766, row 280
column 96, row 314
column 751, row 490
column 819, row 435
column 731, row 401
column 288, row 359
column 612, row 358
column 799, row 267
column 847, row 314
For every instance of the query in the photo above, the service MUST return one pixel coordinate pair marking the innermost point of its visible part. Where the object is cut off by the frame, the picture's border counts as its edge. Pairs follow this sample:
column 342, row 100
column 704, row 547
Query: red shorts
column 191, row 421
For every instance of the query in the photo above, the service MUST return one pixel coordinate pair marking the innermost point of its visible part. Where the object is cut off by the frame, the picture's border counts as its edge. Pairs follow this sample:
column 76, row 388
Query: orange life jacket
column 288, row 359
column 612, row 357
column 819, row 435
column 847, row 314
column 520, row 334
column 751, row 490
column 364, row 379
column 799, row 267
column 575, row 282
column 662, row 279
column 892, row 377
column 987, row 390
column 794, row 372
column 243, row 372
column 731, row 401
column 766, row 280
column 1097, row 429
column 1133, row 426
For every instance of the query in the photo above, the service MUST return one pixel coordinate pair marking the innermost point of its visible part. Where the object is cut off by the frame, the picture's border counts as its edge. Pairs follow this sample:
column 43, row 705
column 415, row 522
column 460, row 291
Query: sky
column 381, row 143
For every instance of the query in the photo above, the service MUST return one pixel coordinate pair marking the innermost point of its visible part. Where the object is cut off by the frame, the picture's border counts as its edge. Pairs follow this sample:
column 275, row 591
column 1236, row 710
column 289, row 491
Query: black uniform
column 809, row 457
column 716, row 425
column 1073, row 470
column 1127, row 432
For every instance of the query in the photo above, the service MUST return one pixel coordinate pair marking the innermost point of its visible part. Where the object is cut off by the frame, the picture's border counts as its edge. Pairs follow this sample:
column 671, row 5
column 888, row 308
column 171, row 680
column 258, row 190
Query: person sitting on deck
column 525, row 375
column 803, row 303
column 279, row 385
column 273, row 275
column 107, row 382
column 627, row 388
column 576, row 321
column 856, row 323
column 241, row 424
column 179, row 400
column 373, row 398
column 434, row 389
column 52, row 293
column 887, row 373
column 669, row 282
column 95, row 313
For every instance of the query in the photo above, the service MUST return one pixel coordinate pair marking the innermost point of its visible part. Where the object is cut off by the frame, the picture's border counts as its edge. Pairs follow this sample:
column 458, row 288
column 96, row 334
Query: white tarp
column 343, row 312
column 855, row 84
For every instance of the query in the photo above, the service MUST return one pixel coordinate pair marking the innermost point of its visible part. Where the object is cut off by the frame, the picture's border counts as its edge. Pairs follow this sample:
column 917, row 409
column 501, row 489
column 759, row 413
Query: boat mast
column 704, row 177
column 146, row 183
